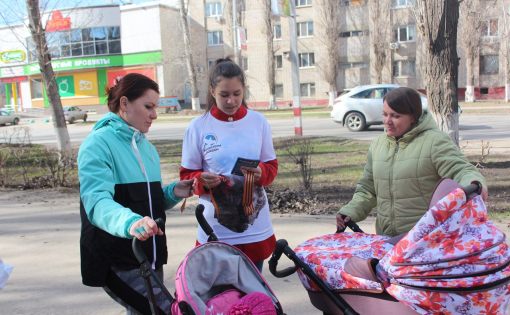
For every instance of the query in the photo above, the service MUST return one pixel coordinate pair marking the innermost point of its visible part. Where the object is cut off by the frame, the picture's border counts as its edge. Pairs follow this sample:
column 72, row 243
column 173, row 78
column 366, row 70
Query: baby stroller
column 214, row 278
column 453, row 261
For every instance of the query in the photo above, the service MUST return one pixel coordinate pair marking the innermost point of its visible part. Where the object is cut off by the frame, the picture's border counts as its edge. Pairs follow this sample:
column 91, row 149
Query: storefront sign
column 12, row 56
column 65, row 86
column 85, row 83
column 99, row 62
column 57, row 22
column 12, row 72
column 113, row 76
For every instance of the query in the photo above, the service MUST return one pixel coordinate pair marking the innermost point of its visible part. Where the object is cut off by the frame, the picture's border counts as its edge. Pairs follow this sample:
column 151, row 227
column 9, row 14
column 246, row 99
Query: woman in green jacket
column 404, row 165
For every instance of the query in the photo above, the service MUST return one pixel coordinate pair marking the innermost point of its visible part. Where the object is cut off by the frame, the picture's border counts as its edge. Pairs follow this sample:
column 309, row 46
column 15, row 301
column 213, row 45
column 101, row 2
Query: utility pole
column 296, row 101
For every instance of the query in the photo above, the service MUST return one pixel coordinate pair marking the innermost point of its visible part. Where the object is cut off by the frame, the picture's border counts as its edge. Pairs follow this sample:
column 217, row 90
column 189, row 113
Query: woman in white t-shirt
column 212, row 145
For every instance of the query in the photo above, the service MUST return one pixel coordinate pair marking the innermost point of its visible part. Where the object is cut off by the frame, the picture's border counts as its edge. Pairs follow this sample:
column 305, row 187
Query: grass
column 337, row 164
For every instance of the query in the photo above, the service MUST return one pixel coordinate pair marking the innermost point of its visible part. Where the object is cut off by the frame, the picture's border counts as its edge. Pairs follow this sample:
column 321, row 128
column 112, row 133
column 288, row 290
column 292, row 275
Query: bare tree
column 505, row 46
column 192, row 75
column 268, row 30
column 470, row 27
column 329, row 24
column 43, row 56
column 378, row 12
column 437, row 21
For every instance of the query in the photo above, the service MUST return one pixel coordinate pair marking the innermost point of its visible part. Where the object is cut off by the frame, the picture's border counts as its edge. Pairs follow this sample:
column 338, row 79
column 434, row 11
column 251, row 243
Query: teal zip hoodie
column 108, row 158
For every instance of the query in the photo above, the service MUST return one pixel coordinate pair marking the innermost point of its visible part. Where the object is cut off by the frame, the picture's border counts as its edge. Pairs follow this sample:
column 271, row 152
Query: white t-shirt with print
column 214, row 146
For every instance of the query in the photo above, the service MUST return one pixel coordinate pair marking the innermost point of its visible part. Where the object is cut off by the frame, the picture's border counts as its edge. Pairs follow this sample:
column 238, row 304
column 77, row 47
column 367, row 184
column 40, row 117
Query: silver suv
column 73, row 113
column 362, row 106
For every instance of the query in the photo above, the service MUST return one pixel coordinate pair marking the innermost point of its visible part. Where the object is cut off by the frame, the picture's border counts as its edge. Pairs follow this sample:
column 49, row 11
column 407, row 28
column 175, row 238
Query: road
column 472, row 127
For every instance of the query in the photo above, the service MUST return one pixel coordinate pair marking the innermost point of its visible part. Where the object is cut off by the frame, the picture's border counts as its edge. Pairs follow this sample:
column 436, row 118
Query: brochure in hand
column 236, row 170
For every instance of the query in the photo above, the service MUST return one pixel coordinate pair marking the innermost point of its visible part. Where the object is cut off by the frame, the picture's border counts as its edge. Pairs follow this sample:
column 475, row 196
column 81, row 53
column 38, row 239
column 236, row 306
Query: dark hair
column 132, row 86
column 223, row 68
column 405, row 100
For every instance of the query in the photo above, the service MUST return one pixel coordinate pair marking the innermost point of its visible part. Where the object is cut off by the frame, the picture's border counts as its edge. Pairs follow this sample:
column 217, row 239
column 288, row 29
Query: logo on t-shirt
column 211, row 143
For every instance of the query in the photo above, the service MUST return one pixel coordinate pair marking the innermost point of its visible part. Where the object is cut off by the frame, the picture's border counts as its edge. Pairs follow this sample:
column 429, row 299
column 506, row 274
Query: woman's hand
column 257, row 172
column 341, row 221
column 210, row 180
column 184, row 188
column 144, row 229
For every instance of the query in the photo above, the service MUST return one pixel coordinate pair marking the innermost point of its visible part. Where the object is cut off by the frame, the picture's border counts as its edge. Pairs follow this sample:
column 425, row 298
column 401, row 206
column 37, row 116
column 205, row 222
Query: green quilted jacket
column 400, row 176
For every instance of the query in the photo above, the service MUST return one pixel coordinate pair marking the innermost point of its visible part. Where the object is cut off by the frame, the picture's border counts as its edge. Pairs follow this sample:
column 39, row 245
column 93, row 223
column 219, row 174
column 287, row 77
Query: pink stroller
column 453, row 261
column 213, row 279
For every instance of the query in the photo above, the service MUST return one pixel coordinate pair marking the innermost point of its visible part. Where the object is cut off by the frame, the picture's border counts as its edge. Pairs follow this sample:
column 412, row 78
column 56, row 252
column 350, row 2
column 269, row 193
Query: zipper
column 392, row 203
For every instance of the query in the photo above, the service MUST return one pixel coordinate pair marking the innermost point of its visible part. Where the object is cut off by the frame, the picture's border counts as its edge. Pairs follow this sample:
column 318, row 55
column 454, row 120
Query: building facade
column 92, row 46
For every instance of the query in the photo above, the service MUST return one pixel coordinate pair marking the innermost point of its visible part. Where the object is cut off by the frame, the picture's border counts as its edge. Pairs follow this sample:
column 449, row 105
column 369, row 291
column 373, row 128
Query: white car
column 7, row 117
column 362, row 106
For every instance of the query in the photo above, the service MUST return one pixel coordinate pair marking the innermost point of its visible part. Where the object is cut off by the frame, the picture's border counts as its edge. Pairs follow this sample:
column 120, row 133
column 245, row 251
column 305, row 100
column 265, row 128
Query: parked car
column 362, row 106
column 7, row 117
column 73, row 113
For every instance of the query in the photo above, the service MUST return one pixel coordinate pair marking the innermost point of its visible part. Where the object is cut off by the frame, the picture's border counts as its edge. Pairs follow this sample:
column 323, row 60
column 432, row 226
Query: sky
column 15, row 10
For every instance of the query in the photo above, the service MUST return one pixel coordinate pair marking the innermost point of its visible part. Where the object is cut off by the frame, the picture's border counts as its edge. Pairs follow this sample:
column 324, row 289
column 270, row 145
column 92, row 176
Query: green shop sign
column 11, row 56
column 65, row 86
column 98, row 62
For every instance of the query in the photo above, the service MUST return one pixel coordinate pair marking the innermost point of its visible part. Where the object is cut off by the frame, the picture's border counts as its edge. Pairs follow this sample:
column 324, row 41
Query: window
column 371, row 93
column 278, row 90
column 215, row 38
column 244, row 63
column 353, row 33
column 489, row 64
column 404, row 68
column 210, row 63
column 403, row 3
column 277, row 31
column 347, row 65
column 307, row 89
column 302, row 3
column 490, row 27
column 278, row 61
column 305, row 29
column 306, row 60
column 347, row 3
column 36, row 88
column 213, row 9
column 405, row 33
column 80, row 42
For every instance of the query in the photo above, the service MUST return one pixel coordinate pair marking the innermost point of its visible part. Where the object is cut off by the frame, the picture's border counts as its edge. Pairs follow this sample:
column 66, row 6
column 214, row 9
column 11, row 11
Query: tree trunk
column 192, row 75
column 268, row 19
column 46, row 68
column 470, row 80
column 332, row 95
column 437, row 21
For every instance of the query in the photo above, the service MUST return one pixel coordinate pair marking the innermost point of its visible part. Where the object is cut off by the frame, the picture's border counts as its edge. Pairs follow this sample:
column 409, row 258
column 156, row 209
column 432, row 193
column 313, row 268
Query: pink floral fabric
column 327, row 255
column 454, row 246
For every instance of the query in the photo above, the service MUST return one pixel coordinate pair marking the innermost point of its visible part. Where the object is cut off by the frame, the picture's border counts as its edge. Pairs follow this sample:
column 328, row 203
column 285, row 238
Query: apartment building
column 395, row 26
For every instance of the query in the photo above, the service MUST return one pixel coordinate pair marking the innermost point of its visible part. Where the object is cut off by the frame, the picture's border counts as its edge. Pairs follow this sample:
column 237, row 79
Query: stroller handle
column 475, row 188
column 199, row 214
column 351, row 224
column 281, row 247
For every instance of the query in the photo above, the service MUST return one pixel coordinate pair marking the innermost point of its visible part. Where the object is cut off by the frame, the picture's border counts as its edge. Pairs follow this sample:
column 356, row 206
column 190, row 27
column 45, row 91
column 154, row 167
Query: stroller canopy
column 453, row 259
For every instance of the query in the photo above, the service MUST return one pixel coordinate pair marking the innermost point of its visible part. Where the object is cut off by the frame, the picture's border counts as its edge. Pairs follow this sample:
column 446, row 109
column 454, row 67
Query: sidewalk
column 39, row 234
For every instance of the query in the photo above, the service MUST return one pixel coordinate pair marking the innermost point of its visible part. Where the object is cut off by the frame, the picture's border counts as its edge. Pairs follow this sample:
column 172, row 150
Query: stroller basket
column 453, row 261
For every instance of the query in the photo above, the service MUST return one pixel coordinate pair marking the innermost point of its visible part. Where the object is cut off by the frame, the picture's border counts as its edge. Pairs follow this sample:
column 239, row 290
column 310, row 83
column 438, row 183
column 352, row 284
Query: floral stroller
column 213, row 279
column 453, row 261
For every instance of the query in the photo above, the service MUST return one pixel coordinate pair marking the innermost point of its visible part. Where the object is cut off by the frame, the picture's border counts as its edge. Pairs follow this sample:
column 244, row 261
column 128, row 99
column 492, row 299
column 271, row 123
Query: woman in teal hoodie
column 121, row 195
column 404, row 166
